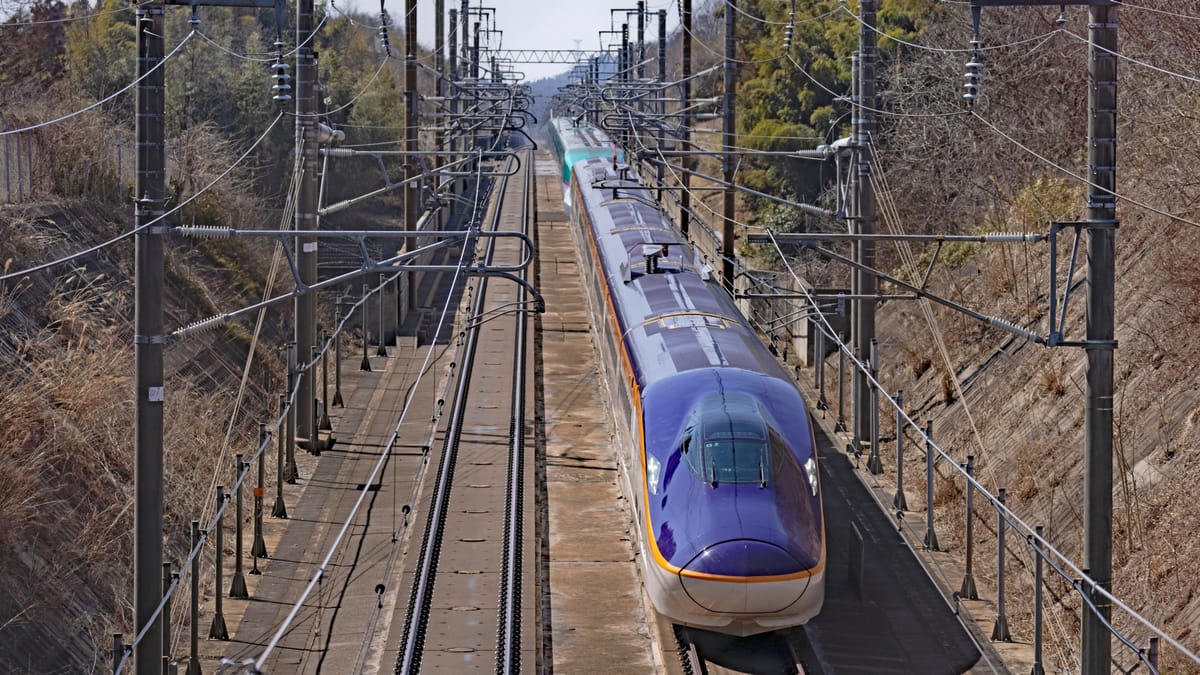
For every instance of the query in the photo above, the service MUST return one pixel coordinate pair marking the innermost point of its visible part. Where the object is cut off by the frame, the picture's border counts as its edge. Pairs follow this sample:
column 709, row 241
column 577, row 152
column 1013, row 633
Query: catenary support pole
column 728, row 135
column 412, row 193
column 685, row 100
column 641, row 39
column 864, row 328
column 660, row 107
column 439, row 118
column 306, row 203
column 1098, row 415
column 148, row 339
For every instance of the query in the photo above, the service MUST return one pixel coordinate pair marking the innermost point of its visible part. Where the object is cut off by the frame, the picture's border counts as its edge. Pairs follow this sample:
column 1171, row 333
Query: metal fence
column 17, row 161
column 1024, row 575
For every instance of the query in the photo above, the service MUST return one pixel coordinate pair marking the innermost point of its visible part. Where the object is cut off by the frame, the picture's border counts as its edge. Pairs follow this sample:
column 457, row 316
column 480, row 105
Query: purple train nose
column 748, row 561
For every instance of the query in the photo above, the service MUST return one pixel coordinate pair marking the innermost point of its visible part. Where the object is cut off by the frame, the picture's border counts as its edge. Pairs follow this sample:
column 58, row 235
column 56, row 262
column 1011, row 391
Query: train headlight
column 652, row 471
column 810, row 469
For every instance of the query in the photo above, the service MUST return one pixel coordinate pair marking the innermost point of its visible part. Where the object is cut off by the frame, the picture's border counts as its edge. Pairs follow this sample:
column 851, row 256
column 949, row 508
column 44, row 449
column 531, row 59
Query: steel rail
column 508, row 638
column 421, row 598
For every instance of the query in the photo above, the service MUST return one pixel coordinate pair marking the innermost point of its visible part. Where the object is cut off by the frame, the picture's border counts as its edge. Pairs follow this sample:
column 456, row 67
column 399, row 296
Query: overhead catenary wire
column 947, row 50
column 129, row 233
column 358, row 95
column 1051, row 163
column 284, row 626
column 196, row 550
column 1062, row 564
column 891, row 217
column 881, row 111
column 1177, row 15
column 106, row 99
column 70, row 19
column 282, row 629
column 1130, row 59
column 768, row 22
column 272, row 273
column 742, row 62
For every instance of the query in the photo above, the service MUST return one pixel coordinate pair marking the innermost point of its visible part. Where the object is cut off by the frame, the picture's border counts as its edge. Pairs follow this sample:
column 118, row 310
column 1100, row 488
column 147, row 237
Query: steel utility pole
column 1100, row 343
column 148, row 339
column 729, row 129
column 641, row 38
column 411, row 193
column 864, row 316
column 660, row 107
column 464, row 70
column 1098, row 416
column 685, row 95
column 439, row 64
column 452, row 77
column 306, row 210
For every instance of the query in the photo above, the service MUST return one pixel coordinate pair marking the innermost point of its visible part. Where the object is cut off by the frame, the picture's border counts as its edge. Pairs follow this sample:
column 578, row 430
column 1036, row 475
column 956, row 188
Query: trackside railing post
column 337, row 357
column 1037, row 604
column 280, row 509
column 325, row 425
column 382, row 350
column 237, row 588
column 968, row 590
column 1152, row 655
column 841, row 417
column 259, row 548
column 314, row 442
column 931, row 542
column 874, row 463
column 1000, row 629
column 167, row 578
column 218, row 631
column 194, row 661
column 899, row 502
column 118, row 650
column 291, row 472
column 366, row 362
column 819, row 365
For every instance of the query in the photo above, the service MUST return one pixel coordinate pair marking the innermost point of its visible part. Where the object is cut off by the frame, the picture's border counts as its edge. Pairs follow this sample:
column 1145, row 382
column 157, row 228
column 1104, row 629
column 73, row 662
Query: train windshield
column 727, row 441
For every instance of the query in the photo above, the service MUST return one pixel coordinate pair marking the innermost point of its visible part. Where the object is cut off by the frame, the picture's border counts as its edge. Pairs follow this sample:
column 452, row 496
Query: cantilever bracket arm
column 539, row 301
column 1058, row 312
column 995, row 322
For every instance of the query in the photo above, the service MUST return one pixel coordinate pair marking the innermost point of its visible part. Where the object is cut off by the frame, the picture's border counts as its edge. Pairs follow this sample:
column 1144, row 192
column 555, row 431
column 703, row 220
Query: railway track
column 705, row 653
column 474, row 539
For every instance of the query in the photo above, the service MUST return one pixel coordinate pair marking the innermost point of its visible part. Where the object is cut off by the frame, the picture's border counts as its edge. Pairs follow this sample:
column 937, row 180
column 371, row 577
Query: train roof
column 573, row 135
column 678, row 319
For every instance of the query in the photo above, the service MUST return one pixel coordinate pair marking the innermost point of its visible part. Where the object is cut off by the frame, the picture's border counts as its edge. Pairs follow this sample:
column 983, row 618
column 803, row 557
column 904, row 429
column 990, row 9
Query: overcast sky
column 542, row 24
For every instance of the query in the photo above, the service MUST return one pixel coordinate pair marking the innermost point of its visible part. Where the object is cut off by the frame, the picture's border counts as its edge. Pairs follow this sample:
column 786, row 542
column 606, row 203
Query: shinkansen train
column 716, row 444
column 577, row 140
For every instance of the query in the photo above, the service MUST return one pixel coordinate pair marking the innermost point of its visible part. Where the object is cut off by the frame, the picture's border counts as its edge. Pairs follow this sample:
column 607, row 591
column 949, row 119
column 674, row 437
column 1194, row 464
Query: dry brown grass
column 67, row 465
column 1053, row 380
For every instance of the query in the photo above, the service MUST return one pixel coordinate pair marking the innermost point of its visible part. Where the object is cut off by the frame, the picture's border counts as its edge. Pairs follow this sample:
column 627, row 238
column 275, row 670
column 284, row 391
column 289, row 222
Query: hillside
column 66, row 467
